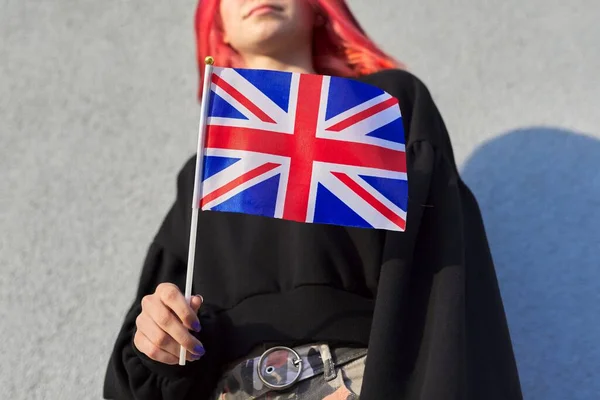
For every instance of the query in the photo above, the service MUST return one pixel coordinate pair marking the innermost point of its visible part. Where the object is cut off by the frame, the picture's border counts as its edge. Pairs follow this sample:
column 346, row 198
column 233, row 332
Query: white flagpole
column 209, row 61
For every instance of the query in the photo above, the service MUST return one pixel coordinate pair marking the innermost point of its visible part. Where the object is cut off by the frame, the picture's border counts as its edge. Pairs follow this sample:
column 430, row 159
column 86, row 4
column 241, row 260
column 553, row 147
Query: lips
column 259, row 8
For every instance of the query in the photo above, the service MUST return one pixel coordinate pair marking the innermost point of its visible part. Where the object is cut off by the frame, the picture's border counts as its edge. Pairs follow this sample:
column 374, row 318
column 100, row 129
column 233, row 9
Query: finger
column 160, row 338
column 143, row 344
column 173, row 299
column 156, row 335
column 196, row 302
column 168, row 322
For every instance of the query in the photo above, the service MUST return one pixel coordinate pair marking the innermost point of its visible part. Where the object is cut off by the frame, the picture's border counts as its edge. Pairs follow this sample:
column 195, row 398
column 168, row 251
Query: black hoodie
column 425, row 302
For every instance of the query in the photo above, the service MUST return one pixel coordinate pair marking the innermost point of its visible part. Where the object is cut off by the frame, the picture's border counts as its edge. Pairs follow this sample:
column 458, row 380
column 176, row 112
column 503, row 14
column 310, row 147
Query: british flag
column 305, row 148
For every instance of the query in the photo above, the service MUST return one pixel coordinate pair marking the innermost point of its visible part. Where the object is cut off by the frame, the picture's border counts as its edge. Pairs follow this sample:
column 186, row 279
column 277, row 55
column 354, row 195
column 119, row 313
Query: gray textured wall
column 98, row 112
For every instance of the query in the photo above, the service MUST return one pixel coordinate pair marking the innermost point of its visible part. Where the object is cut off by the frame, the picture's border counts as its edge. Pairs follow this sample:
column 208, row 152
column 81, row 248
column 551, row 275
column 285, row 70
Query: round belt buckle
column 279, row 367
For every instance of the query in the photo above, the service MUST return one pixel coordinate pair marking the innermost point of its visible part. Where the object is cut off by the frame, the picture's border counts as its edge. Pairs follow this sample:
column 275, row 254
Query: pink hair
column 340, row 47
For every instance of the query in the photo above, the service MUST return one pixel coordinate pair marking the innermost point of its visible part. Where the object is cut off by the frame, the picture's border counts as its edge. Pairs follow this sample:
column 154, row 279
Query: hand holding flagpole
column 209, row 62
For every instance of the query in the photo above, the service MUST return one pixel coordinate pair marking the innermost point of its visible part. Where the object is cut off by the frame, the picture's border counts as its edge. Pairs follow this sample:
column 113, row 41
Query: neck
column 290, row 62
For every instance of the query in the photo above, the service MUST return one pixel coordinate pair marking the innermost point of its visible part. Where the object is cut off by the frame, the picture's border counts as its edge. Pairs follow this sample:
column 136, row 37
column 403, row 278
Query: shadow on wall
column 539, row 192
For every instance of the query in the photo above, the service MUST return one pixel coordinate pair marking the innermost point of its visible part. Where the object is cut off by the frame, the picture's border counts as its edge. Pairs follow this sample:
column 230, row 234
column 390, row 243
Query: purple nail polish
column 196, row 326
column 199, row 350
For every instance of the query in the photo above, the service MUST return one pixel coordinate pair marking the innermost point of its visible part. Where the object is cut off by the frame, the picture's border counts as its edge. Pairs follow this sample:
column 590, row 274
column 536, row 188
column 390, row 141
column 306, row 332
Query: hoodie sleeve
column 130, row 374
column 439, row 330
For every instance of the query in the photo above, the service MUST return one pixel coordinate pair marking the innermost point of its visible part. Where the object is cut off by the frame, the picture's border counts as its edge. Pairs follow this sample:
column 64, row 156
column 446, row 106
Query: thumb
column 195, row 302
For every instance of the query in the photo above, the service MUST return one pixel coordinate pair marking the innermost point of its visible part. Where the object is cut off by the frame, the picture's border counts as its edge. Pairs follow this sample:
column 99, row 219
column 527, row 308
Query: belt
column 279, row 368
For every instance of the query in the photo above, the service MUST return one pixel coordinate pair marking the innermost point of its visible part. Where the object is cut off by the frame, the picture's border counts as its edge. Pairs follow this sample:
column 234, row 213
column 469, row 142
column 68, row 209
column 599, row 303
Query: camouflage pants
column 322, row 376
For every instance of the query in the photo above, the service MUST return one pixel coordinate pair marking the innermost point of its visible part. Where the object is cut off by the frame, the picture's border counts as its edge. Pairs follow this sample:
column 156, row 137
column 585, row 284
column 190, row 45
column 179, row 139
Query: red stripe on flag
column 233, row 92
column 324, row 150
column 263, row 169
column 303, row 149
column 369, row 198
column 340, row 126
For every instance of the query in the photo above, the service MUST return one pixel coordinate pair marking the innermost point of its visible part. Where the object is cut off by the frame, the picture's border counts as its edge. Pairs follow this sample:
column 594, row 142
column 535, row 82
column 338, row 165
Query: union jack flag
column 305, row 148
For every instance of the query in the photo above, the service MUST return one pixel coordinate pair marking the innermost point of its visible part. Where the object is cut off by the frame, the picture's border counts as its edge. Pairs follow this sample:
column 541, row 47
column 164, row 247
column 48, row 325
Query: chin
column 270, row 28
column 270, row 37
